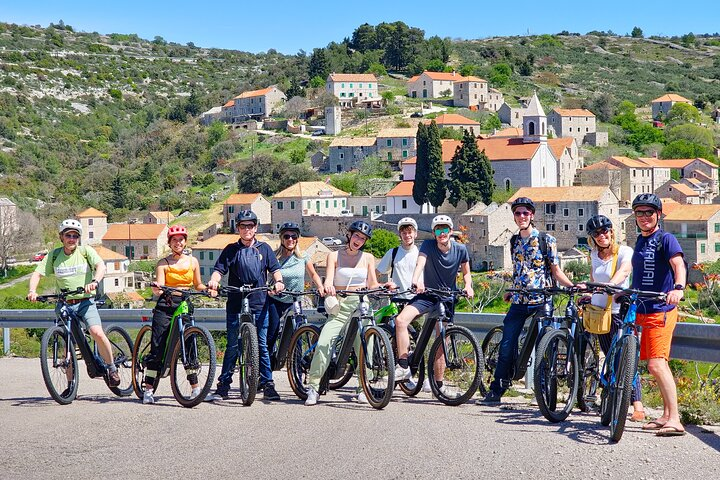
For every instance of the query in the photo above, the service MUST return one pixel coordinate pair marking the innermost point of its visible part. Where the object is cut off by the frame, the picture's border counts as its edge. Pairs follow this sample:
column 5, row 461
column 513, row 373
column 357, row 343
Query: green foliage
column 683, row 113
column 115, row 93
column 547, row 41
column 471, row 177
column 435, row 65
column 638, row 133
column 685, row 149
column 636, row 32
column 317, row 82
column 378, row 69
column 269, row 175
column 436, row 188
column 147, row 266
column 580, row 271
column 447, row 133
column 500, row 74
column 297, row 157
column 216, row 133
column 347, row 182
column 381, row 241
column 319, row 65
column 603, row 106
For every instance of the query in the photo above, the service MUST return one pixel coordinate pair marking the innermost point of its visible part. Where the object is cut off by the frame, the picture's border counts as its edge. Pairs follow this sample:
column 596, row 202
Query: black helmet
column 597, row 222
column 523, row 202
column 290, row 227
column 362, row 227
column 647, row 200
column 246, row 216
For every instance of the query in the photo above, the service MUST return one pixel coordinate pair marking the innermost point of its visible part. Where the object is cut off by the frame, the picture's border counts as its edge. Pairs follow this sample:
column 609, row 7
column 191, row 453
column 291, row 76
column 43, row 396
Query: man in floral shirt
column 535, row 265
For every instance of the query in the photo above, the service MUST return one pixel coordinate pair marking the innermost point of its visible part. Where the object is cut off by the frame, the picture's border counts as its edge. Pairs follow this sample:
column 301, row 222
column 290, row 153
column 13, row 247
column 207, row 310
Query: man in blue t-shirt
column 247, row 262
column 437, row 266
column 658, row 266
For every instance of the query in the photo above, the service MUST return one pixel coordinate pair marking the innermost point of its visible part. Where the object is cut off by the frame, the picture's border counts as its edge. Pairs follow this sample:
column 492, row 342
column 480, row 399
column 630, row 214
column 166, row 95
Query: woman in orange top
column 177, row 270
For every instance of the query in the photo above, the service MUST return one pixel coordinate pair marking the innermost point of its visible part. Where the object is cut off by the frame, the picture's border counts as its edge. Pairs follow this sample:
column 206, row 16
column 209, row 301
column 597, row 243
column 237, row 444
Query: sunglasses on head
column 600, row 231
column 522, row 213
column 440, row 231
column 644, row 213
column 290, row 236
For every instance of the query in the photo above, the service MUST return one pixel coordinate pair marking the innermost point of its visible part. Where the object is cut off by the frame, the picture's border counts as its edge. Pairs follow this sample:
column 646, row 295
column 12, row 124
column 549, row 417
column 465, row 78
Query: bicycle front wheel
column 300, row 355
column 377, row 367
column 249, row 358
column 460, row 374
column 491, row 353
column 589, row 373
column 556, row 376
column 59, row 365
column 140, row 352
column 347, row 373
column 620, row 395
column 121, row 348
column 191, row 378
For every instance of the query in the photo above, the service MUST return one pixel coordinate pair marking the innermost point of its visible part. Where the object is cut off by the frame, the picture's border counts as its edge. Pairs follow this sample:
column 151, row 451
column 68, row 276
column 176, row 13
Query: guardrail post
column 6, row 341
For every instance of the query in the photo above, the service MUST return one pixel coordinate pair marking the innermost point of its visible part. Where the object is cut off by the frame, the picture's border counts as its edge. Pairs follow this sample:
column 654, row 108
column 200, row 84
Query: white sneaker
column 402, row 373
column 148, row 396
column 361, row 398
column 410, row 384
column 448, row 392
column 194, row 394
column 426, row 386
column 312, row 397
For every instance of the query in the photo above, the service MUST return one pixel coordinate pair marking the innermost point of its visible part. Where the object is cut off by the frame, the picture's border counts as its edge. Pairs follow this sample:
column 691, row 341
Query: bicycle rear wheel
column 555, row 376
column 491, row 353
column 413, row 385
column 59, row 365
column 377, row 367
column 198, row 368
column 122, row 348
column 589, row 373
column 249, row 357
column 462, row 371
column 620, row 395
column 140, row 351
column 302, row 348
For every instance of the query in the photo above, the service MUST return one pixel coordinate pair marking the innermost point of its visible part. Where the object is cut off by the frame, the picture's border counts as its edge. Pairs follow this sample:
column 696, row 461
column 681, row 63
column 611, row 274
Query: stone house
column 432, row 84
column 346, row 153
column 489, row 229
column 94, row 224
column 697, row 168
column 399, row 200
column 511, row 116
column 662, row 105
column 697, row 228
column 213, row 115
column 636, row 177
column 118, row 277
column 396, row 145
column 256, row 104
column 602, row 174
column 564, row 211
column 247, row 201
column 352, row 87
column 495, row 100
column 307, row 199
column 681, row 193
column 363, row 205
column 577, row 123
column 158, row 217
column 208, row 251
column 136, row 240
column 470, row 92
column 456, row 122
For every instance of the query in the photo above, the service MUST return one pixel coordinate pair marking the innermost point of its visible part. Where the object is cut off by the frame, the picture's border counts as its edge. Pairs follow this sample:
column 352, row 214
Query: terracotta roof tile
column 108, row 255
column 558, row 145
column 573, row 112
column 256, row 93
column 671, row 97
column 309, row 189
column 134, row 231
column 163, row 215
column 601, row 166
column 397, row 132
column 352, row 77
column 627, row 162
column 472, row 79
column 561, row 194
column 402, row 189
column 353, row 142
column 508, row 132
column 90, row 212
column 452, row 76
column 241, row 198
column 684, row 189
column 693, row 213
column 453, row 119
column 216, row 242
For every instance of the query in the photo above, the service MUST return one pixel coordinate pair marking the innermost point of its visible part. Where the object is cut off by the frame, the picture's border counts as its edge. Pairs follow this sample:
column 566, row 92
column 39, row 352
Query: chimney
column 453, row 73
column 655, row 154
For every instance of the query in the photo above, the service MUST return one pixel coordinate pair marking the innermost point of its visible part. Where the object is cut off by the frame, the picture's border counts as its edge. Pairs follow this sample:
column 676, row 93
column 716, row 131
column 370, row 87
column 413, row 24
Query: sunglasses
column 600, row 231
column 290, row 237
column 440, row 231
column 644, row 213
column 72, row 235
column 522, row 213
column 246, row 226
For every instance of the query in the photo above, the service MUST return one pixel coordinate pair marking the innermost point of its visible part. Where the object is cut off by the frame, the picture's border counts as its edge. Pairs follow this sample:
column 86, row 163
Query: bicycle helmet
column 362, row 227
column 442, row 220
column 647, row 200
column 290, row 227
column 70, row 224
column 246, row 216
column 597, row 222
column 177, row 230
column 523, row 202
column 407, row 221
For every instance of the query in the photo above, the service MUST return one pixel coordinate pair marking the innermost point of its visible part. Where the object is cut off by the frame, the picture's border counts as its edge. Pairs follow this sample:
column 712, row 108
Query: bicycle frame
column 628, row 327
column 181, row 318
column 540, row 318
column 291, row 322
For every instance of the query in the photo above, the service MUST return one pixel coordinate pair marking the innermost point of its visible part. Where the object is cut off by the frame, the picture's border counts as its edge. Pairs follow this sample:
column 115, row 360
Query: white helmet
column 407, row 221
column 70, row 224
column 442, row 220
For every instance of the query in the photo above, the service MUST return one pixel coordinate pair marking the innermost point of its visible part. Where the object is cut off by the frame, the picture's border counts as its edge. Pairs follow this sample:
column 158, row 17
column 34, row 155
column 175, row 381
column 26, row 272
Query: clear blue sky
column 287, row 27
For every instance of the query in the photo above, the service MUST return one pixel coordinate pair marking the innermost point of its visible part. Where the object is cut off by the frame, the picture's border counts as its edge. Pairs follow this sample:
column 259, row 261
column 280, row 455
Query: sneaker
column 491, row 398
column 410, row 384
column 426, row 386
column 402, row 373
column 312, row 397
column 217, row 396
column 361, row 398
column 194, row 393
column 269, row 392
column 148, row 396
column 449, row 392
column 113, row 378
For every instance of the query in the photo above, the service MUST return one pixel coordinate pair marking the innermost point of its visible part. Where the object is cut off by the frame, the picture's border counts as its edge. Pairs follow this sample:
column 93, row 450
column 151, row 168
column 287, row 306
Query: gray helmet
column 246, row 216
column 362, row 227
column 647, row 200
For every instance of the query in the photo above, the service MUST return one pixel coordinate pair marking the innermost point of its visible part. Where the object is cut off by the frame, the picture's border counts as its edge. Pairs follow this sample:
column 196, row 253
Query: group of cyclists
column 656, row 264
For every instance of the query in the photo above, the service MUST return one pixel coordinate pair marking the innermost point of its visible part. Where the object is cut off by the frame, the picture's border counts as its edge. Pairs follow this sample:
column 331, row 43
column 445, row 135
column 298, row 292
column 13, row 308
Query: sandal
column 653, row 425
column 670, row 432
column 638, row 416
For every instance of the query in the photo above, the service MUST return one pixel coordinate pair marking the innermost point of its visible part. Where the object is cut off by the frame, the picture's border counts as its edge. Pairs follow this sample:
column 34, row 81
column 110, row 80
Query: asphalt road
column 103, row 436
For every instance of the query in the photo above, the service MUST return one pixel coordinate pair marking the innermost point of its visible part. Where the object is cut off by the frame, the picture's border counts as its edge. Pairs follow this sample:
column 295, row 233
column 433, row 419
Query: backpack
column 542, row 241
column 392, row 262
column 83, row 252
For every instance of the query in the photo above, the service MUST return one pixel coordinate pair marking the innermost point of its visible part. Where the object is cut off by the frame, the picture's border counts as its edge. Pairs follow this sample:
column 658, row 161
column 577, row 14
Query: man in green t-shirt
column 78, row 266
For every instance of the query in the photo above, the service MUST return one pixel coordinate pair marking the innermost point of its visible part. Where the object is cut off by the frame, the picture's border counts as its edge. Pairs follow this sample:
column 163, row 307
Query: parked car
column 10, row 261
column 416, row 115
column 331, row 241
column 346, row 213
column 38, row 257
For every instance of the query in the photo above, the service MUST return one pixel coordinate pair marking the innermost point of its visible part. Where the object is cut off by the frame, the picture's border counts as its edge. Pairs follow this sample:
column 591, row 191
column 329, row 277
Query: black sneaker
column 491, row 398
column 269, row 392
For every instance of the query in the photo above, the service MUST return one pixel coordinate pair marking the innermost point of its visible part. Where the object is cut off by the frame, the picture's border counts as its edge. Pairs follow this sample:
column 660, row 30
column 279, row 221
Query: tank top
column 179, row 277
column 351, row 276
column 293, row 274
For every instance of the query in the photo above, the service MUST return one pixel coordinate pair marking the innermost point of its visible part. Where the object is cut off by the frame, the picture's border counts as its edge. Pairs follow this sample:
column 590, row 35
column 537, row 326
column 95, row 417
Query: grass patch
column 16, row 272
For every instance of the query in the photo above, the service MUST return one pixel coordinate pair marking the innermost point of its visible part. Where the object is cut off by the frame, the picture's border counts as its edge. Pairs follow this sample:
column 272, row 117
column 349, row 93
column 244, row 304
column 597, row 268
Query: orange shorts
column 657, row 333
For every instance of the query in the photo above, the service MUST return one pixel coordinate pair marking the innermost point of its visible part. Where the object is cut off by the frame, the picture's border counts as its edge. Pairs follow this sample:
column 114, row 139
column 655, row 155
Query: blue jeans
column 512, row 327
column 267, row 335
column 232, row 320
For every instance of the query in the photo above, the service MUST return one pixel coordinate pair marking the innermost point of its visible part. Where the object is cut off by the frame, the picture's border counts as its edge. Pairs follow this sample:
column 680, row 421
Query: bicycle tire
column 121, row 348
column 626, row 368
column 347, row 373
column 377, row 367
column 555, row 376
column 300, row 354
column 465, row 354
column 200, row 360
column 605, row 406
column 491, row 354
column 61, row 376
column 413, row 385
column 590, row 374
column 141, row 349
column 249, row 358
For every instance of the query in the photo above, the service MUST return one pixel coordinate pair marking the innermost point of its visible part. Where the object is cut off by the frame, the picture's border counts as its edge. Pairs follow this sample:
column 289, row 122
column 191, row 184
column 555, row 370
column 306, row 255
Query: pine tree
column 119, row 192
column 456, row 182
column 487, row 181
column 436, row 171
column 421, row 167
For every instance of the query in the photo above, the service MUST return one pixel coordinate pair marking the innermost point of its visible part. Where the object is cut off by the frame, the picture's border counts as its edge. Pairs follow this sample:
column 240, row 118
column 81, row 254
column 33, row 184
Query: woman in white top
column 604, row 248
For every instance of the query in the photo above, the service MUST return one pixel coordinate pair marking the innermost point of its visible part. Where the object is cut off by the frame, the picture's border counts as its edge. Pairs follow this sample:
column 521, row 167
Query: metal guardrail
column 691, row 341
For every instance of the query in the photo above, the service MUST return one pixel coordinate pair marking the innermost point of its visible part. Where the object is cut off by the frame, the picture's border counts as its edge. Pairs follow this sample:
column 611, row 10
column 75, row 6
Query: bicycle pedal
column 591, row 398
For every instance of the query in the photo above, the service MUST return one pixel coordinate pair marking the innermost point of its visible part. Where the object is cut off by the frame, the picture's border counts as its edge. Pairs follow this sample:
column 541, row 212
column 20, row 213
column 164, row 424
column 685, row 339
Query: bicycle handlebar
column 445, row 293
column 612, row 289
column 557, row 290
column 299, row 294
column 244, row 290
column 60, row 296
column 183, row 292
column 361, row 292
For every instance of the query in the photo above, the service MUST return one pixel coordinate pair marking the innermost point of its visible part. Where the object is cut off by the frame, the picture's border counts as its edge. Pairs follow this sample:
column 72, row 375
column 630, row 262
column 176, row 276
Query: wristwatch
column 677, row 286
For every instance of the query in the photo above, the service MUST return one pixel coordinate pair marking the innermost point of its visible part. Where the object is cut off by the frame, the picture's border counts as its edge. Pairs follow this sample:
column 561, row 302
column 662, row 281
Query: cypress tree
column 455, row 183
column 436, row 171
column 487, row 182
column 421, row 167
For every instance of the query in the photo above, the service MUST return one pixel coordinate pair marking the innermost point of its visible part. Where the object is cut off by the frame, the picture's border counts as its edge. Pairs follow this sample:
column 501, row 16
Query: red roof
column 241, row 198
column 256, row 93
column 453, row 119
column 134, row 231
column 402, row 189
